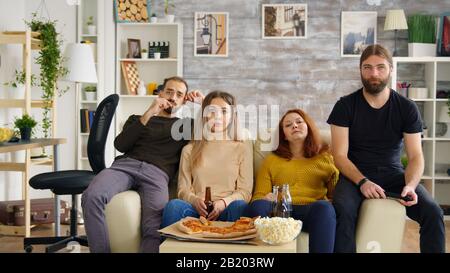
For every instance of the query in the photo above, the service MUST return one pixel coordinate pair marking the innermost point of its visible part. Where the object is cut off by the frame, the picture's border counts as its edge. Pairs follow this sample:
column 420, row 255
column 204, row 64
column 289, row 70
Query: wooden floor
column 15, row 243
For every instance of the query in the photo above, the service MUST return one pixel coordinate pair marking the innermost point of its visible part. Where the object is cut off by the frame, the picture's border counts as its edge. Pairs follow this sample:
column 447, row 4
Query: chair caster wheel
column 28, row 249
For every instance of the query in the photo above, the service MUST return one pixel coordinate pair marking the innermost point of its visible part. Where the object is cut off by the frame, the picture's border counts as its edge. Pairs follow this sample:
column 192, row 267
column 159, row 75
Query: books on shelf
column 86, row 119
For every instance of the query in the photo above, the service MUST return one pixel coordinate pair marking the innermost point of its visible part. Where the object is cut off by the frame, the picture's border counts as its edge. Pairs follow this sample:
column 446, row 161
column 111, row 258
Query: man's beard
column 168, row 110
column 171, row 110
column 372, row 88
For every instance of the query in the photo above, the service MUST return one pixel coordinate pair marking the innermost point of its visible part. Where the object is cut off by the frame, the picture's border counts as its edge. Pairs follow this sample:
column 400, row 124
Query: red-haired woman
column 303, row 162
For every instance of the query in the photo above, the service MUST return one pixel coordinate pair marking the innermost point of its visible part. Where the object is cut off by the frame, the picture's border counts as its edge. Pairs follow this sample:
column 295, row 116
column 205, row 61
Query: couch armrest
column 380, row 227
column 123, row 218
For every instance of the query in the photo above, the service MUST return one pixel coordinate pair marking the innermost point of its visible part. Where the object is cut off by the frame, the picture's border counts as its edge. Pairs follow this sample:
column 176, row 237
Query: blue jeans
column 177, row 209
column 319, row 220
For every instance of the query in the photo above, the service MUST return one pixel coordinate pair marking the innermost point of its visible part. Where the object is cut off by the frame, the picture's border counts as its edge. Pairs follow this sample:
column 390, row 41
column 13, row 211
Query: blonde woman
column 217, row 158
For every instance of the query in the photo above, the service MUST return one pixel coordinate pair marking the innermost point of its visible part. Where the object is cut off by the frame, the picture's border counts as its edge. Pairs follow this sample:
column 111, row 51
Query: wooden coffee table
column 175, row 246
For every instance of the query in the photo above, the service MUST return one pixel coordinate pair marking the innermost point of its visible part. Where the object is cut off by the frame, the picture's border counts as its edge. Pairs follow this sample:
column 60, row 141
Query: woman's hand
column 200, row 206
column 219, row 206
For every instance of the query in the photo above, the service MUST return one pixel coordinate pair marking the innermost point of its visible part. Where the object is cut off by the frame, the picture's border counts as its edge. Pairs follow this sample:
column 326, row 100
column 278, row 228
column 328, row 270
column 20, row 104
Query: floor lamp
column 79, row 61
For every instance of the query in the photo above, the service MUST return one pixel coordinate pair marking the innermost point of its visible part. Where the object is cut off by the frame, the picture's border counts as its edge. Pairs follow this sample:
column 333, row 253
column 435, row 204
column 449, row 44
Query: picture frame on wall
column 136, row 11
column 358, row 30
column 284, row 21
column 211, row 34
column 134, row 49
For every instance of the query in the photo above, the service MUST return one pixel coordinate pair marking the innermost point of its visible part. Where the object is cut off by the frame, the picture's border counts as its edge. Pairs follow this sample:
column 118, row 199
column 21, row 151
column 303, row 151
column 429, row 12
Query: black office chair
column 74, row 182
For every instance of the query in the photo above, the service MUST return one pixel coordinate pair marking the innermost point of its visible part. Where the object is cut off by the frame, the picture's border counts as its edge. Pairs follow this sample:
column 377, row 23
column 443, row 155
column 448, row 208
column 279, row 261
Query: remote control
column 398, row 196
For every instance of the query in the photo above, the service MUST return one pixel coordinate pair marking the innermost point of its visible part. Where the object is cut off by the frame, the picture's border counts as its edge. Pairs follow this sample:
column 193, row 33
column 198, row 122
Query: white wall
column 12, row 14
column 11, row 17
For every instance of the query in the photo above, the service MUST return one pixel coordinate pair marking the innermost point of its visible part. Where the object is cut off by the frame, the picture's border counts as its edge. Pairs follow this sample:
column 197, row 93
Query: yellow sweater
column 309, row 179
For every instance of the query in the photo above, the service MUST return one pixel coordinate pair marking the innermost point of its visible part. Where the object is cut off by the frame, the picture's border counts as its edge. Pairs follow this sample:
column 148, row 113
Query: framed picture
column 130, row 76
column 134, row 48
column 135, row 11
column 284, row 21
column 443, row 41
column 211, row 34
column 358, row 30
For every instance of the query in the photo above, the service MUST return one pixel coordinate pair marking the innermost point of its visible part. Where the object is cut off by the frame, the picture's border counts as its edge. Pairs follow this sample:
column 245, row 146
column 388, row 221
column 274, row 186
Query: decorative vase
column 157, row 55
column 92, row 30
column 421, row 50
column 25, row 133
column 17, row 92
column 170, row 18
column 91, row 96
column 153, row 19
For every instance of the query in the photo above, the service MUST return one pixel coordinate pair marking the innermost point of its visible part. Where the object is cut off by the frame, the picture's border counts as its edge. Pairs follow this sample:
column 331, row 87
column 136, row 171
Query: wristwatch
column 362, row 181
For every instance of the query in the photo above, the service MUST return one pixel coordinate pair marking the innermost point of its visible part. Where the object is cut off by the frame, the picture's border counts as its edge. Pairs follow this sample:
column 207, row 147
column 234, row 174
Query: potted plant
column 157, row 53
column 92, row 29
column 153, row 19
column 421, row 35
column 18, row 84
column 169, row 17
column 51, row 65
column 90, row 92
column 144, row 54
column 25, row 124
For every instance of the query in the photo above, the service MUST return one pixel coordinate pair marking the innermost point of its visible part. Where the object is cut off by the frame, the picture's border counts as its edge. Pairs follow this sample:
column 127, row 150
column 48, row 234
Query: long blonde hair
column 232, row 129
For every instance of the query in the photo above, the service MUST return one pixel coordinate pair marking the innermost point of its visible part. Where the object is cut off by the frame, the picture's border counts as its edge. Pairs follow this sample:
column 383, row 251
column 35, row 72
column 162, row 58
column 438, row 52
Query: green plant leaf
column 50, row 60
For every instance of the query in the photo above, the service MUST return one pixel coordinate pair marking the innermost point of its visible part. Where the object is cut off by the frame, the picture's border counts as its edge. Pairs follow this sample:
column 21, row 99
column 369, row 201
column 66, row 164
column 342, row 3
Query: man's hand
column 157, row 106
column 408, row 190
column 200, row 206
column 371, row 190
column 195, row 96
column 219, row 206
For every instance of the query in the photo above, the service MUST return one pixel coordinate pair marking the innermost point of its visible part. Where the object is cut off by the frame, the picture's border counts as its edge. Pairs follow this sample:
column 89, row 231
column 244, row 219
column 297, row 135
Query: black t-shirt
column 375, row 135
column 153, row 142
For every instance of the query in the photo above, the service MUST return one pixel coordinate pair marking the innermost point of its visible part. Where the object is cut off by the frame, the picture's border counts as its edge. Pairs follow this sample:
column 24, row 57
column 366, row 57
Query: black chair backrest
column 99, row 132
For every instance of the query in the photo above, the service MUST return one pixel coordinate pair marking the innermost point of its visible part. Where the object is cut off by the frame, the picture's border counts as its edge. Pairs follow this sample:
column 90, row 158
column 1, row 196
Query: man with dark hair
column 368, row 129
column 150, row 160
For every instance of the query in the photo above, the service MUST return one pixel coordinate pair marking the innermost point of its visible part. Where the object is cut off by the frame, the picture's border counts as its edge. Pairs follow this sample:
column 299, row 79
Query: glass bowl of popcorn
column 277, row 230
column 6, row 134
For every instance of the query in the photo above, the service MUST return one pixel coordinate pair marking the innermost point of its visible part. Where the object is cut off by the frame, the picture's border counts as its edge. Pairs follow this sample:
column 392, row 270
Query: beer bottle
column 208, row 201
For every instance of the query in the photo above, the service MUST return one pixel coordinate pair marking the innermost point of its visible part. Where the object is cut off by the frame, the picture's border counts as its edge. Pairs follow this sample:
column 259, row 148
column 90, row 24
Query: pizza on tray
column 207, row 229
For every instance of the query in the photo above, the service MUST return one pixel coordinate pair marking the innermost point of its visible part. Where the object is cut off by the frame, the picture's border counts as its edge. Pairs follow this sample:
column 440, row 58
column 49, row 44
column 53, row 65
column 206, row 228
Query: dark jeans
column 347, row 199
column 319, row 220
column 178, row 209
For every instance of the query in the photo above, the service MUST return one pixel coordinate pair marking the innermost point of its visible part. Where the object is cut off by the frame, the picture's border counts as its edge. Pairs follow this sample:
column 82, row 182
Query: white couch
column 380, row 226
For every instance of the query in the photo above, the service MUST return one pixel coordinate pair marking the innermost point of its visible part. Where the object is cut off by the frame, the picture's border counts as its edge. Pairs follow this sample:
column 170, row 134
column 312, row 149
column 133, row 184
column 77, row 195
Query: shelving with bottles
column 432, row 73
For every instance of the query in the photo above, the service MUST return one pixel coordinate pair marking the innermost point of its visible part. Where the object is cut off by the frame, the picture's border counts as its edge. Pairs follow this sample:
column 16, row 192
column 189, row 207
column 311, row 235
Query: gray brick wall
column 309, row 73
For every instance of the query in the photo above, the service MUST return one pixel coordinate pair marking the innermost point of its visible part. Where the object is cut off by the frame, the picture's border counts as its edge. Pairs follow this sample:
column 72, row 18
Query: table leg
column 26, row 193
column 57, row 204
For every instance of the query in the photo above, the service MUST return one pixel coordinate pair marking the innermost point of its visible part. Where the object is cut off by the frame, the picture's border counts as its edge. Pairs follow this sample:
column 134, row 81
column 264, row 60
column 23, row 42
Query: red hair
column 313, row 142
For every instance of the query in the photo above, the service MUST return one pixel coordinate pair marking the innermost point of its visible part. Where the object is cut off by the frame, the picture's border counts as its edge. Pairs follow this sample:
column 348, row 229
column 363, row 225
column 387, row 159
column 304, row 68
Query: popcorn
column 277, row 230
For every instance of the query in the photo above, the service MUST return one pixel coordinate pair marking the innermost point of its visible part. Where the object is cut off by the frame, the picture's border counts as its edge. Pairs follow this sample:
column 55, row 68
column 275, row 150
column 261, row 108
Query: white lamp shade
column 80, row 63
column 443, row 114
column 395, row 19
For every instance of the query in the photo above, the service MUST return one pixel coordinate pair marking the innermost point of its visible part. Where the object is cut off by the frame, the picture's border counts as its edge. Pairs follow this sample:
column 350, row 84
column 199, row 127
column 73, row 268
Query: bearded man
column 369, row 129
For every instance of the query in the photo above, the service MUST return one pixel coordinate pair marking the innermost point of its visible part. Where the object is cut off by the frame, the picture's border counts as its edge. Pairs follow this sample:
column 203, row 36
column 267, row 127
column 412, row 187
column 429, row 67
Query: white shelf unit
column 85, row 9
column 434, row 74
column 150, row 70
